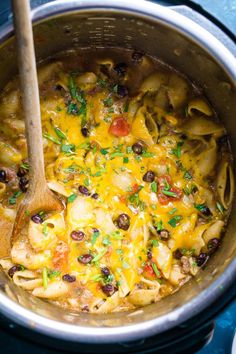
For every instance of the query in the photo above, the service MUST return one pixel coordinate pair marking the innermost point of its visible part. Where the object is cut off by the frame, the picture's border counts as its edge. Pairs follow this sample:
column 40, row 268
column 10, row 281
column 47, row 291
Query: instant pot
column 195, row 46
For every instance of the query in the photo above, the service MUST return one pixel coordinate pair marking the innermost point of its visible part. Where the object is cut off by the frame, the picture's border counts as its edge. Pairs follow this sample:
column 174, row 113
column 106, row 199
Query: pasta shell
column 177, row 91
column 199, row 105
column 47, row 71
column 163, row 257
column 176, row 275
column 27, row 279
column 154, row 81
column 54, row 290
column 143, row 297
column 213, row 231
column 144, row 127
column 9, row 156
column 110, row 304
column 225, row 184
column 202, row 126
column 207, row 159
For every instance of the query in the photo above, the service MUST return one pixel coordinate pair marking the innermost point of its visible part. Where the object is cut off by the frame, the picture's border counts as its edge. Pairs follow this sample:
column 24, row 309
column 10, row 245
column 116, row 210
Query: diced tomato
column 164, row 180
column 122, row 199
column 148, row 271
column 135, row 188
column 119, row 127
column 60, row 256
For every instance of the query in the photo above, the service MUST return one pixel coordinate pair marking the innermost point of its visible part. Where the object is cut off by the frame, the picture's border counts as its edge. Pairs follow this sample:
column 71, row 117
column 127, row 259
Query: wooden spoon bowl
column 38, row 196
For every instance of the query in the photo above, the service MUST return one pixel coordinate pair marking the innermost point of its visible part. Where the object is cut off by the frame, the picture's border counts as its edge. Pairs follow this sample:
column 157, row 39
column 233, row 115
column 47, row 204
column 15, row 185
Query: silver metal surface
column 183, row 44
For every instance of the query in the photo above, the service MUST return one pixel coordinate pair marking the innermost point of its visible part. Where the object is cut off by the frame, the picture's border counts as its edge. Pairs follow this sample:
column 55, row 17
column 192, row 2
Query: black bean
column 212, row 245
column 164, row 234
column 59, row 88
column 37, row 219
column 122, row 91
column 177, row 253
column 137, row 148
column 21, row 172
column 3, row 176
column 120, row 69
column 206, row 211
column 149, row 254
column 85, row 258
column 149, row 176
column 85, row 132
column 105, row 271
column 14, row 269
column 95, row 229
column 77, row 235
column 23, row 184
column 69, row 278
column 202, row 259
column 137, row 57
column 94, row 196
column 108, row 289
column 183, row 136
column 84, row 190
column 123, row 221
column 85, row 308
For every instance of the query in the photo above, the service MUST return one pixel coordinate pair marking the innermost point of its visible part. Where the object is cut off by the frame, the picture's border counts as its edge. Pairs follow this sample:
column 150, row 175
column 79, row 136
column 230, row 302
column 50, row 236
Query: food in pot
column 143, row 166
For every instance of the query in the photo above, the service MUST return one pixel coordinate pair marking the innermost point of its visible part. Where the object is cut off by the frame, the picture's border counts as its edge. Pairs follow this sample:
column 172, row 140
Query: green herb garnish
column 125, row 159
column 220, row 208
column 95, row 235
column 177, row 151
column 60, row 133
column 99, row 256
column 53, row 273
column 71, row 198
column 154, row 187
column 175, row 220
column 12, row 200
column 156, row 271
column 108, row 102
column 68, row 149
column 172, row 211
column 154, row 243
column 51, row 138
column 169, row 193
column 187, row 175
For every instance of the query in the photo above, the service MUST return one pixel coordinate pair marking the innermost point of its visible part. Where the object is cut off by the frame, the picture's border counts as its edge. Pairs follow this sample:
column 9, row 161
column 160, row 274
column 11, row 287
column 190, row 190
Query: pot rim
column 95, row 335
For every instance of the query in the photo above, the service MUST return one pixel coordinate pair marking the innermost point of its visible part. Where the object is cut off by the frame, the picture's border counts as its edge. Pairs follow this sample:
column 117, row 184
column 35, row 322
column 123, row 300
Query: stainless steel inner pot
column 161, row 32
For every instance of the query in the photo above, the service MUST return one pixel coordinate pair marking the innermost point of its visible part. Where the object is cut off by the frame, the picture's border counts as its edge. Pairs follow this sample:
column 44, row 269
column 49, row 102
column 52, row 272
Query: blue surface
column 225, row 324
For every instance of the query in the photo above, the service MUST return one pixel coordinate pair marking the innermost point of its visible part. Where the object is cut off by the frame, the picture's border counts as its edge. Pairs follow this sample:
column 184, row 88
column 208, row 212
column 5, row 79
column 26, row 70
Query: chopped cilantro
column 177, row 151
column 45, row 229
column 220, row 208
column 125, row 159
column 175, row 220
column 187, row 175
column 51, row 138
column 25, row 166
column 102, row 83
column 104, row 151
column 116, row 154
column 172, row 211
column 60, row 133
column 95, row 235
column 156, row 271
column 154, row 243
column 169, row 193
column 108, row 102
column 147, row 154
column 86, row 182
column 129, row 150
column 12, row 200
column 154, row 187
column 159, row 225
column 68, row 149
column 99, row 255
column 71, row 198
column 53, row 273
column 200, row 207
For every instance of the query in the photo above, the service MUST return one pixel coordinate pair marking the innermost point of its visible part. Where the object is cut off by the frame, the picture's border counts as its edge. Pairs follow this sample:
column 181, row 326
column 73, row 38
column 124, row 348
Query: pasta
column 144, row 170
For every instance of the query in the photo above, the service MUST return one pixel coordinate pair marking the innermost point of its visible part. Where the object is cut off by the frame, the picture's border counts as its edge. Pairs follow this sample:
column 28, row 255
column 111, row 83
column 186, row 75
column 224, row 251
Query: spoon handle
column 30, row 91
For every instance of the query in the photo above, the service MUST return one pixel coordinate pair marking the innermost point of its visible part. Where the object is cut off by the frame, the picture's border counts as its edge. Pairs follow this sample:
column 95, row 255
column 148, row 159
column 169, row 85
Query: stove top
column 225, row 324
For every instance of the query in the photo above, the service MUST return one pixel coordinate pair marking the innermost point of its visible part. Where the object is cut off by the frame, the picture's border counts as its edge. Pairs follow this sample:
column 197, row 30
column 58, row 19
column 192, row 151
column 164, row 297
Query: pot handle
column 202, row 17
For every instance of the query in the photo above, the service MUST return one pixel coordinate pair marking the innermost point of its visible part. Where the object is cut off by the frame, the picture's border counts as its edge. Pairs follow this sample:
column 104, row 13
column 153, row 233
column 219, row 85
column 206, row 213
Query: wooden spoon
column 38, row 196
